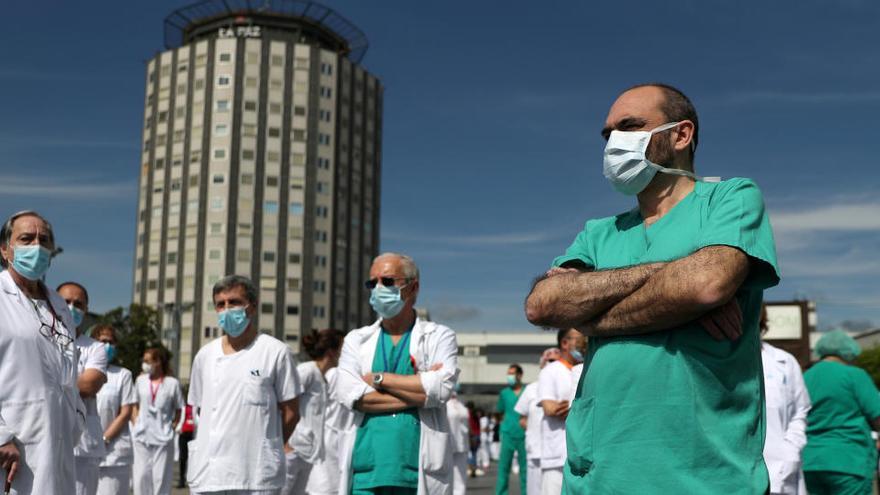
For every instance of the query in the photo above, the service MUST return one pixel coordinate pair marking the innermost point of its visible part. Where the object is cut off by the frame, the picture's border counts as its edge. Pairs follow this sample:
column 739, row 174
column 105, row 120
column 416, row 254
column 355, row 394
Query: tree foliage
column 869, row 360
column 137, row 329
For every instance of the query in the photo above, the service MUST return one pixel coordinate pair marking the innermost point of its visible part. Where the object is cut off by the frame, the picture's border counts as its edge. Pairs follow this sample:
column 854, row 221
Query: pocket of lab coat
column 579, row 436
column 26, row 419
column 437, row 454
column 272, row 462
column 196, row 468
column 92, row 439
column 257, row 391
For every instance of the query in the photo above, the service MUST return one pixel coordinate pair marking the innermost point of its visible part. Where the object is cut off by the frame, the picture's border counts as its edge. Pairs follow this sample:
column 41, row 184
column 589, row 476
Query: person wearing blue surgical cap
column 840, row 456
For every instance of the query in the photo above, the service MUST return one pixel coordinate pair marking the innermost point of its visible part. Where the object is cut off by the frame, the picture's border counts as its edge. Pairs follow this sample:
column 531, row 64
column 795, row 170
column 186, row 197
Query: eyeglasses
column 386, row 282
column 49, row 331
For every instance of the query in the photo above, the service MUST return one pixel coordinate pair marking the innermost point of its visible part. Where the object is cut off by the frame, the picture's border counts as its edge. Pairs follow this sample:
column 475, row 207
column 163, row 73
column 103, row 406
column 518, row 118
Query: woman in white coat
column 116, row 399
column 306, row 447
column 459, row 423
column 155, row 418
column 41, row 415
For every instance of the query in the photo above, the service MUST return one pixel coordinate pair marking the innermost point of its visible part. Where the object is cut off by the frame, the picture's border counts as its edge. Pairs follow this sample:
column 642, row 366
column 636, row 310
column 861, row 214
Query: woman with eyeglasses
column 155, row 418
column 41, row 414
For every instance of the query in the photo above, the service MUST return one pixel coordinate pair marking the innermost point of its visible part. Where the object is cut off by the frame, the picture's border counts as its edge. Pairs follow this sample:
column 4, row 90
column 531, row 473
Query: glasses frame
column 48, row 331
column 373, row 282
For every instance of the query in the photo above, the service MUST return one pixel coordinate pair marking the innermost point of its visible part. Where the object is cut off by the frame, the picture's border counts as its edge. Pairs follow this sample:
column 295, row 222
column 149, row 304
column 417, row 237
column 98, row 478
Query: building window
column 293, row 258
column 199, row 84
column 175, row 185
column 214, row 254
column 225, row 57
column 250, row 105
column 247, row 154
column 293, row 284
column 243, row 255
column 299, row 110
column 326, row 92
column 269, row 256
column 249, row 130
column 218, row 179
column 271, row 181
column 216, row 204
column 222, row 106
column 267, row 308
column 216, row 228
column 296, row 208
column 221, row 130
column 169, row 283
column 293, row 310
column 250, row 82
column 247, row 179
column 152, row 285
column 299, row 135
column 171, row 258
column 223, row 81
column 273, row 156
column 270, row 207
column 274, row 132
column 219, row 153
column 194, row 180
column 277, row 60
column 275, row 108
column 326, row 69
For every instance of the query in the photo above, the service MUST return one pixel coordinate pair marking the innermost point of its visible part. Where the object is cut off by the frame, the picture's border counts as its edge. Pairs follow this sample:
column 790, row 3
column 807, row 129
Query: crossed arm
column 645, row 298
column 398, row 392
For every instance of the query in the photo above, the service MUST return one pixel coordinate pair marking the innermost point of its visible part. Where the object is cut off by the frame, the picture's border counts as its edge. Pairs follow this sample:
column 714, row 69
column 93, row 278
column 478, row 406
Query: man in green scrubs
column 840, row 456
column 513, row 437
column 671, row 398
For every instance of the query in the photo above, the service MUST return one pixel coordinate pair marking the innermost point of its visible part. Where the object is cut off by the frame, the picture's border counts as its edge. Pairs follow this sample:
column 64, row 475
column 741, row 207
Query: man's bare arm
column 555, row 408
column 682, row 291
column 379, row 402
column 289, row 417
column 569, row 299
column 90, row 382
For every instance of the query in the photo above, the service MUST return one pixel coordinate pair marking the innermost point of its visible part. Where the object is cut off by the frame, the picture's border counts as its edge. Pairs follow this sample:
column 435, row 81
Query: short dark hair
column 516, row 367
column 161, row 354
column 228, row 282
column 676, row 107
column 317, row 343
column 6, row 230
column 560, row 336
column 75, row 284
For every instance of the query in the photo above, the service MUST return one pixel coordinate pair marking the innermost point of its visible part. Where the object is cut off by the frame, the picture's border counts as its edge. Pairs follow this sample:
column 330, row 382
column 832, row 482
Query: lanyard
column 402, row 345
column 155, row 391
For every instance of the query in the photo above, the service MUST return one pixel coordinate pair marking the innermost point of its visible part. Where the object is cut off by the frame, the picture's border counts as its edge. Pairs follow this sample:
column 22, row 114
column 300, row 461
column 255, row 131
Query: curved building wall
column 261, row 157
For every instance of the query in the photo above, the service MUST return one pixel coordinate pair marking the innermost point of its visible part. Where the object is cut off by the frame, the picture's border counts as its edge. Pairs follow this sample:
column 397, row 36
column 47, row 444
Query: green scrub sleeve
column 579, row 254
column 737, row 218
column 866, row 394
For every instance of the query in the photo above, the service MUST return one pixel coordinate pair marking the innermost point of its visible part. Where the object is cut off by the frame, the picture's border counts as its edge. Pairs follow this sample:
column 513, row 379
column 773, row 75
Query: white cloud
column 834, row 217
column 479, row 240
column 64, row 188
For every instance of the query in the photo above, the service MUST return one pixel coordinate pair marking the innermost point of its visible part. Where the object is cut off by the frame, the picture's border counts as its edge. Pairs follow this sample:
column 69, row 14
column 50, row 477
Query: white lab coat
column 788, row 404
column 325, row 474
column 40, row 408
column 430, row 344
column 459, row 423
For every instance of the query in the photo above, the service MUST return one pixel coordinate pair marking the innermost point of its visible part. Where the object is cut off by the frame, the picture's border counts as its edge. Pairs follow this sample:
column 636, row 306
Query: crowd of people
column 675, row 393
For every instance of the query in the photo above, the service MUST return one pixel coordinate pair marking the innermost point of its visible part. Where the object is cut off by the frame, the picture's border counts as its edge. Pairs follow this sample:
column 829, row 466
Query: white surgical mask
column 626, row 165
column 146, row 368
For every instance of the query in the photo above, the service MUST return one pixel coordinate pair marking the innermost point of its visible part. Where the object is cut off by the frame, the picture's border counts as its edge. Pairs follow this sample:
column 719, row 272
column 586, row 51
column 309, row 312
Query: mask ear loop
column 675, row 171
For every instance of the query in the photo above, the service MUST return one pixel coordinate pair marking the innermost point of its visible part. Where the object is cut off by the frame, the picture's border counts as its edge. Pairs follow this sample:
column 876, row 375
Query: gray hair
column 6, row 231
column 231, row 281
column 410, row 270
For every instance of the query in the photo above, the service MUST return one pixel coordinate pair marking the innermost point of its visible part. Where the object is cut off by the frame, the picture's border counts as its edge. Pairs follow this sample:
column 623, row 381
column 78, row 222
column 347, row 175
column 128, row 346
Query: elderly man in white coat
column 788, row 404
column 40, row 412
column 396, row 375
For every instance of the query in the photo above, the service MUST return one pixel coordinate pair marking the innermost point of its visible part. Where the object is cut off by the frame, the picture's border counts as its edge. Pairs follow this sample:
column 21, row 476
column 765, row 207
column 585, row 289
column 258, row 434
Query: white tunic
column 91, row 355
column 554, row 383
column 153, row 425
column 788, row 404
column 239, row 444
column 38, row 398
column 117, row 392
column 430, row 344
column 529, row 406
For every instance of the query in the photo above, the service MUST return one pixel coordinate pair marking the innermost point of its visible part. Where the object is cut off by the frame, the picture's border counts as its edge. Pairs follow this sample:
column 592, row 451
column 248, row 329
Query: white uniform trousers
column 153, row 466
column 459, row 473
column 114, row 480
column 551, row 481
column 533, row 477
column 87, row 475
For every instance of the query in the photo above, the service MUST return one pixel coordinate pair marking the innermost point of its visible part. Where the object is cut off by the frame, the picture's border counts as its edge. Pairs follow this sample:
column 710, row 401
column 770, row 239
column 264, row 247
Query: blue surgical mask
column 578, row 356
column 626, row 165
column 77, row 315
column 233, row 321
column 31, row 262
column 511, row 380
column 110, row 349
column 386, row 301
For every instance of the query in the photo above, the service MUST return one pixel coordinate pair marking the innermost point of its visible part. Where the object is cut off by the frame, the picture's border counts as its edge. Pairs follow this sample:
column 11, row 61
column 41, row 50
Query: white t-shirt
column 554, row 383
column 156, row 414
column 91, row 355
column 529, row 406
column 239, row 442
column 117, row 392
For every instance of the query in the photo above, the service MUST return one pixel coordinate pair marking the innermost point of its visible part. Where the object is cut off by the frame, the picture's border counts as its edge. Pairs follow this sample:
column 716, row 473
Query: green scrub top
column 510, row 427
column 844, row 400
column 674, row 411
column 386, row 448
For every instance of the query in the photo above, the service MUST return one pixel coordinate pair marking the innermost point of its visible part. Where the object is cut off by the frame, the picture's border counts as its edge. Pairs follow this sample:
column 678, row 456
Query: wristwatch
column 377, row 379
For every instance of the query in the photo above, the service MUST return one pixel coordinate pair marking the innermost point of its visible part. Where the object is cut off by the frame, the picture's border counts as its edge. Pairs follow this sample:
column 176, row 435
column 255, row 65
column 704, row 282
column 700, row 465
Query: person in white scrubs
column 92, row 368
column 245, row 389
column 531, row 412
column 459, row 424
column 554, row 394
column 155, row 417
column 788, row 405
column 116, row 400
column 307, row 446
column 40, row 411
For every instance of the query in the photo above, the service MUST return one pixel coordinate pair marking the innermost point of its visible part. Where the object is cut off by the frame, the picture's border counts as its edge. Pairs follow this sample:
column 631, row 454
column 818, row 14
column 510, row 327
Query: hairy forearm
column 678, row 293
column 569, row 299
column 118, row 422
column 289, row 417
column 394, row 383
column 412, row 399
column 90, row 382
column 380, row 402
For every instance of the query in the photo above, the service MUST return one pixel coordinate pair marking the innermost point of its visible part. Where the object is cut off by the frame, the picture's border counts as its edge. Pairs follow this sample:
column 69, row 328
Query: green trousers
column 833, row 483
column 509, row 445
column 385, row 490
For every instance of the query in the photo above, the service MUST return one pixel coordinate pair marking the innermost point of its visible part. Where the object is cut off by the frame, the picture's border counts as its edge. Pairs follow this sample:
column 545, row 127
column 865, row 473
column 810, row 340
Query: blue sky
column 492, row 153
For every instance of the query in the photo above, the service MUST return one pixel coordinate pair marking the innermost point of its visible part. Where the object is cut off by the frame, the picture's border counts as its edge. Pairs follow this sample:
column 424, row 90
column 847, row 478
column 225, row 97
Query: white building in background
column 261, row 157
column 485, row 357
